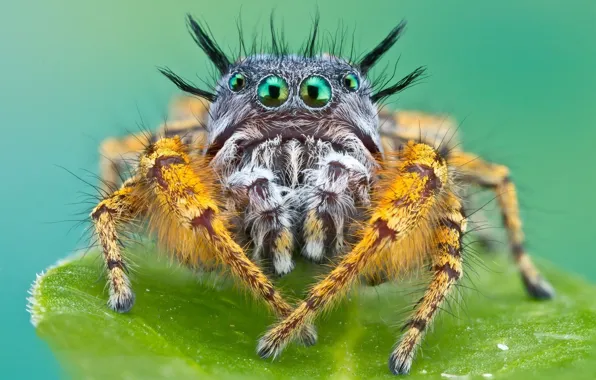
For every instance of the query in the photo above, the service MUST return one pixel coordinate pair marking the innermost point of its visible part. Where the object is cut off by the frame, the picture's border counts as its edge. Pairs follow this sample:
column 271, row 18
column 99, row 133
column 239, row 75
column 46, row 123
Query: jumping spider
column 292, row 154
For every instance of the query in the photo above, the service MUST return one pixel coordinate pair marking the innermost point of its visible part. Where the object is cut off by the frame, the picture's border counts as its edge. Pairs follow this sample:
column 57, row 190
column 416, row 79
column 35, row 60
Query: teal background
column 521, row 74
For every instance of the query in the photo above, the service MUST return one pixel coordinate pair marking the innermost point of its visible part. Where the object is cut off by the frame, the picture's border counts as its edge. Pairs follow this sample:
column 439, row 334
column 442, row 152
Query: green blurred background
column 520, row 72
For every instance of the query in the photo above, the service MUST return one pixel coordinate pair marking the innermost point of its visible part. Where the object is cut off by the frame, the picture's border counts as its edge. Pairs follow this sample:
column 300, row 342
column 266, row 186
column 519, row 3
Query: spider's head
column 293, row 95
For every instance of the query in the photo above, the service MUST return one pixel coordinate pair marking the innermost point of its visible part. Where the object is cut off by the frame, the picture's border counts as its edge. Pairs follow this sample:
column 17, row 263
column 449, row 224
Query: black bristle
column 404, row 83
column 208, row 45
column 310, row 48
column 371, row 58
column 274, row 45
column 187, row 87
column 242, row 52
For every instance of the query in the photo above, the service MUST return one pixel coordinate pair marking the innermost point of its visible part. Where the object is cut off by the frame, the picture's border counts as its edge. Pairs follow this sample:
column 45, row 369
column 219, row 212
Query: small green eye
column 237, row 82
column 351, row 82
column 315, row 91
column 273, row 91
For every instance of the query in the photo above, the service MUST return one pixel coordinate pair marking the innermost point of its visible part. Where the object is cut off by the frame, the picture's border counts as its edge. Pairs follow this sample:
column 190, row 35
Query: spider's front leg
column 406, row 198
column 447, row 270
column 179, row 198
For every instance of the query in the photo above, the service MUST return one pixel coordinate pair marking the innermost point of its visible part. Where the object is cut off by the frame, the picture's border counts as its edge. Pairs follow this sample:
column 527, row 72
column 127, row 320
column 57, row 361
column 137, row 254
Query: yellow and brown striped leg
column 111, row 214
column 173, row 177
column 405, row 199
column 496, row 177
column 447, row 270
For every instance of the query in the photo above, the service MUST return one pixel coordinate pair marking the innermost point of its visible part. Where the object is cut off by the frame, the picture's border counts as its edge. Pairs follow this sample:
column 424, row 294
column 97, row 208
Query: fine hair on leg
column 447, row 270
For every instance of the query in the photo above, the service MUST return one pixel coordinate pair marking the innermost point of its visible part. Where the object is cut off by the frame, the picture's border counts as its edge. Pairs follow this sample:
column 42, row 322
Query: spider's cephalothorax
column 293, row 155
column 295, row 146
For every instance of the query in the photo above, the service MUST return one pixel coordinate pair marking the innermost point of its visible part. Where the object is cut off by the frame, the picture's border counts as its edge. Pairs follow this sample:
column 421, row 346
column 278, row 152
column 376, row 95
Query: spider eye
column 351, row 82
column 273, row 91
column 237, row 82
column 315, row 91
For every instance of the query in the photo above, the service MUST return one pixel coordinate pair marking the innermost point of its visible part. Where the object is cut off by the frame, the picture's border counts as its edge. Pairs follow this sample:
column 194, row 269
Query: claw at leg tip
column 266, row 349
column 121, row 303
column 308, row 336
column 540, row 289
column 399, row 366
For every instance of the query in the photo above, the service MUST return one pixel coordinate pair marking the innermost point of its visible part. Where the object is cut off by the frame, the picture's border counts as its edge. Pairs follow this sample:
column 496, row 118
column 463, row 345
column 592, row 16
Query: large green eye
column 237, row 82
column 351, row 82
column 273, row 91
column 315, row 91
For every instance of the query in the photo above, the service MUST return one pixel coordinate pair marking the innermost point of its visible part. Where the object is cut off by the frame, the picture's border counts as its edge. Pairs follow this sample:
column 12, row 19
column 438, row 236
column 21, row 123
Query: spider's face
column 280, row 97
column 294, row 97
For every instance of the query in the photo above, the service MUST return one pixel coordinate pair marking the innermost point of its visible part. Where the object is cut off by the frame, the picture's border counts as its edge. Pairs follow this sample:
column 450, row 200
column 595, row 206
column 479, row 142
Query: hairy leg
column 109, row 216
column 183, row 194
column 496, row 177
column 329, row 195
column 447, row 270
column 440, row 132
column 187, row 117
column 268, row 210
column 407, row 196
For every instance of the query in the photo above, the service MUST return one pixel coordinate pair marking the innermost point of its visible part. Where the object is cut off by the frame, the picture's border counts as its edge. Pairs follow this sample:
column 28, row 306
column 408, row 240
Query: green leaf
column 199, row 325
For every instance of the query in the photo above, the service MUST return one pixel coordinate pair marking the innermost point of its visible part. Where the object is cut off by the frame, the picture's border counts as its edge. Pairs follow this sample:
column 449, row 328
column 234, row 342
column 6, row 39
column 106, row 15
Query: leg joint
column 205, row 220
column 161, row 162
column 451, row 272
column 433, row 182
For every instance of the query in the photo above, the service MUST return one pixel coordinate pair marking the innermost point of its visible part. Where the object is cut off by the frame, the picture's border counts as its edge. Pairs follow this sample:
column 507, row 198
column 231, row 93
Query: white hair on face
column 331, row 193
column 269, row 212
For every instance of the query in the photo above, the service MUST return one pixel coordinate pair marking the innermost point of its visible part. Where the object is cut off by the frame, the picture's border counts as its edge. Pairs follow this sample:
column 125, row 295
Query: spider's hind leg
column 496, row 178
column 441, row 133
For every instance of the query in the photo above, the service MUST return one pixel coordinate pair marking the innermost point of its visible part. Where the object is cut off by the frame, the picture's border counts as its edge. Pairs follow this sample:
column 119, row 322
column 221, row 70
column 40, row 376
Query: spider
column 291, row 154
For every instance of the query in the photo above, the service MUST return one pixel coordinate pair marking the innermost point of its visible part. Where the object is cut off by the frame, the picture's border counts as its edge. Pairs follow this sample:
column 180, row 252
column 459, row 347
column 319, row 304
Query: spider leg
column 496, row 177
column 187, row 117
column 269, row 210
column 183, row 190
column 441, row 132
column 447, row 270
column 329, row 196
column 109, row 216
column 413, row 185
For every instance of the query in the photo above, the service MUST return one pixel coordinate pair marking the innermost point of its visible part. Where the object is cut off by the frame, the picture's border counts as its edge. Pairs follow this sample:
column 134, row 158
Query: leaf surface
column 187, row 325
